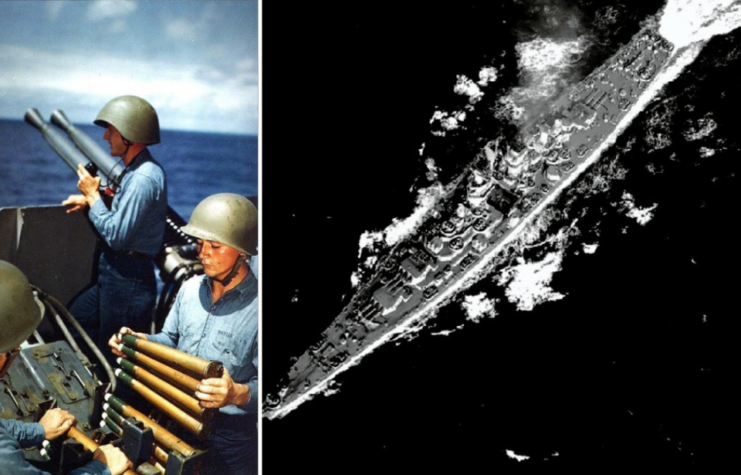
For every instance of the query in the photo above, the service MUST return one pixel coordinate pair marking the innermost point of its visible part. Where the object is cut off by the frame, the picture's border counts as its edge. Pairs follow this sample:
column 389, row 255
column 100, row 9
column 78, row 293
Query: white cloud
column 182, row 29
column 104, row 9
column 185, row 93
column 246, row 64
column 53, row 9
column 117, row 26
column 192, row 30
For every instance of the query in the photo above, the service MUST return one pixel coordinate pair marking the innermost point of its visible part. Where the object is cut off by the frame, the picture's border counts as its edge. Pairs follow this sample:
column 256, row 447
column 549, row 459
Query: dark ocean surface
column 633, row 368
column 196, row 164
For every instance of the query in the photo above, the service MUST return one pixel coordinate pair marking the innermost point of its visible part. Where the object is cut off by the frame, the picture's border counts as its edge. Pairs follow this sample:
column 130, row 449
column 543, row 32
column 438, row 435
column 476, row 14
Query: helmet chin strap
column 128, row 144
column 233, row 273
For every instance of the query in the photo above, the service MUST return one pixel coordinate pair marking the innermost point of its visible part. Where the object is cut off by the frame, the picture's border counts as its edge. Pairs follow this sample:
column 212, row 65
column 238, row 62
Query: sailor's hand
column 113, row 457
column 75, row 203
column 89, row 185
column 219, row 392
column 56, row 422
column 115, row 341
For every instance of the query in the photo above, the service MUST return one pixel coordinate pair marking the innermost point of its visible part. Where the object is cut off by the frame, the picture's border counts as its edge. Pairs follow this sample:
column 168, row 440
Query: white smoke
column 641, row 215
column 487, row 74
column 399, row 229
column 528, row 283
column 590, row 248
column 466, row 87
column 543, row 64
column 511, row 454
column 478, row 307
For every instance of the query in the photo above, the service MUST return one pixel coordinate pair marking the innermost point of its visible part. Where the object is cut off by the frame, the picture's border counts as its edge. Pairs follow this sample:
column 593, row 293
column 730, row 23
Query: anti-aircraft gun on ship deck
column 177, row 259
column 58, row 374
column 52, row 370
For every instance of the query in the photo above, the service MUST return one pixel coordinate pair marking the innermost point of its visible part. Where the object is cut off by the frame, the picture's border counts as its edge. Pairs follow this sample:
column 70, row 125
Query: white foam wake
column 685, row 22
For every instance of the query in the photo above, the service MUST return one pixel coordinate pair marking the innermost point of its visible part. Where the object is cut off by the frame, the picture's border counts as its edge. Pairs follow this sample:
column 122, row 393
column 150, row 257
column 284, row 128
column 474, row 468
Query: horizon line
column 197, row 131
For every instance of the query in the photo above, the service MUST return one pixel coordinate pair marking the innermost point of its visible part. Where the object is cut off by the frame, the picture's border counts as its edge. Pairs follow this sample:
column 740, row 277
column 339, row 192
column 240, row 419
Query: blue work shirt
column 224, row 331
column 17, row 435
column 136, row 220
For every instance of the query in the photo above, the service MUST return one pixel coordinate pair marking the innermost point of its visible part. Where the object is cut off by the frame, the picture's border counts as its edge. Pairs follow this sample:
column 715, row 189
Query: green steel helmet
column 228, row 219
column 133, row 117
column 19, row 312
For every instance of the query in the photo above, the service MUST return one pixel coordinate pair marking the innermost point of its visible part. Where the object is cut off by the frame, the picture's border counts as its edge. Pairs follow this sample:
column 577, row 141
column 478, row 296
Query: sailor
column 215, row 317
column 20, row 314
column 132, row 228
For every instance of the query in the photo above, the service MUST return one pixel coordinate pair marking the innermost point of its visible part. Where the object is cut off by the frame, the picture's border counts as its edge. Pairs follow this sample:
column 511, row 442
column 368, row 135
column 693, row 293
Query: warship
column 503, row 188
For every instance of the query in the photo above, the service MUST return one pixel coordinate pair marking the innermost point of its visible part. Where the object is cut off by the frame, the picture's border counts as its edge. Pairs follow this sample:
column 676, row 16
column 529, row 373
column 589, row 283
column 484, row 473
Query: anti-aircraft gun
column 56, row 367
column 47, row 375
column 177, row 259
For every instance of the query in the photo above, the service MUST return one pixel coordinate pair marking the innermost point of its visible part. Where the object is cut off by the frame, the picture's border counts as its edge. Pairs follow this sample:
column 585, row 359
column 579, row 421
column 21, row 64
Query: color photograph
column 129, row 237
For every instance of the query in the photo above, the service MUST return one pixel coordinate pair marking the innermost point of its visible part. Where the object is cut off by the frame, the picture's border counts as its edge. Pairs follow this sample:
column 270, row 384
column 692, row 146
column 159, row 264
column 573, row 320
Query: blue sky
column 195, row 61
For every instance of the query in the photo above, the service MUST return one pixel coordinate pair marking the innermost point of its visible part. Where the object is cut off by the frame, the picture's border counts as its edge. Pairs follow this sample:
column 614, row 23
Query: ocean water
column 196, row 165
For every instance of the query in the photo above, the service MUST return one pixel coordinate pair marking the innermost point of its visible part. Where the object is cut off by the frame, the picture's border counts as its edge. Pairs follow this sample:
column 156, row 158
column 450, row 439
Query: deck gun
column 177, row 260
column 56, row 374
